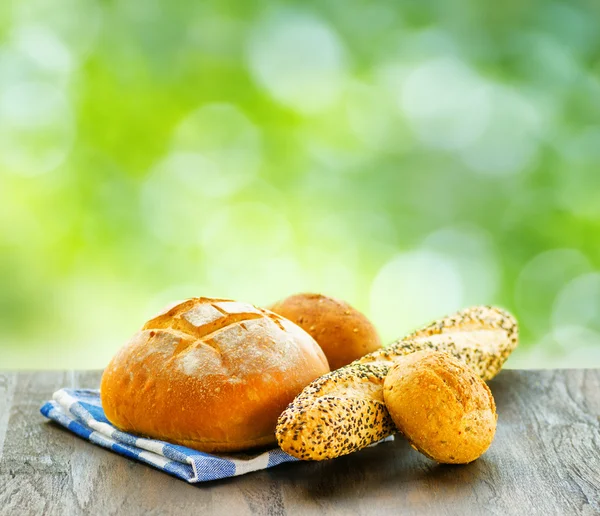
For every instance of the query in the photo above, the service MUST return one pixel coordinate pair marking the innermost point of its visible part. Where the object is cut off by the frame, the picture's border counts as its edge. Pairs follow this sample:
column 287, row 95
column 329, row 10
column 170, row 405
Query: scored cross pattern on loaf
column 205, row 319
column 212, row 374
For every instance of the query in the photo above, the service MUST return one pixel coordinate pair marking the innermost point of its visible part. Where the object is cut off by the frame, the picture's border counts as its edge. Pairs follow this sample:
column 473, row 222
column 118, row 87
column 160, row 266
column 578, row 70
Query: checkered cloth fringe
column 80, row 411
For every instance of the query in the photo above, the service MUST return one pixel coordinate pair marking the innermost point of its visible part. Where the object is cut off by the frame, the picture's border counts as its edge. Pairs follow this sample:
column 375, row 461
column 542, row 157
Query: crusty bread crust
column 441, row 406
column 336, row 414
column 481, row 337
column 211, row 374
column 343, row 332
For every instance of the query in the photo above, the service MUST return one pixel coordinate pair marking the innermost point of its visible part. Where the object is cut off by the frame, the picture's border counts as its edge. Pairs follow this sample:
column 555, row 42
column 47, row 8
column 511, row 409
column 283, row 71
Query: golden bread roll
column 441, row 406
column 343, row 332
column 352, row 397
column 211, row 374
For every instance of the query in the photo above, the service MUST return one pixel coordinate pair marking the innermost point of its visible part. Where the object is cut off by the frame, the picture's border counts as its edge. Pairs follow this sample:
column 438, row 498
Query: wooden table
column 545, row 460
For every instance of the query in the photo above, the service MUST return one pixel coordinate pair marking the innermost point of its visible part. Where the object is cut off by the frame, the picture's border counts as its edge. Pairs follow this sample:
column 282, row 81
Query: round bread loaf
column 343, row 332
column 211, row 374
column 442, row 407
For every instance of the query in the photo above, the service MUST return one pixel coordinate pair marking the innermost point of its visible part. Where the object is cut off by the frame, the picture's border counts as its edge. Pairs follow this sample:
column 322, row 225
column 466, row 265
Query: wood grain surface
column 545, row 460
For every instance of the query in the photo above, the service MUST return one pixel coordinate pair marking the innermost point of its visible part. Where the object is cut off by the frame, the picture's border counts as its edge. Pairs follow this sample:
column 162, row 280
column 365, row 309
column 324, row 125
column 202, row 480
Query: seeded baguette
column 344, row 411
column 481, row 336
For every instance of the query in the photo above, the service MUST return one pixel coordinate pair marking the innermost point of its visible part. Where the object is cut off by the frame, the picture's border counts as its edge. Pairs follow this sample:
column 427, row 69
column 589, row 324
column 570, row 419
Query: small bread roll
column 343, row 333
column 443, row 408
column 211, row 374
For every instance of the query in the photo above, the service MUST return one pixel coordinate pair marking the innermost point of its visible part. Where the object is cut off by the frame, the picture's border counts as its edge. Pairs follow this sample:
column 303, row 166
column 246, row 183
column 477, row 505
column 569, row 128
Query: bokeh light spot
column 245, row 245
column 577, row 190
column 578, row 303
column 446, row 103
column 577, row 344
column 77, row 23
column 330, row 255
column 472, row 251
column 569, row 346
column 541, row 280
column 412, row 289
column 36, row 130
column 373, row 119
column 215, row 152
column 298, row 59
column 176, row 196
column 509, row 140
column 45, row 49
column 227, row 139
column 244, row 231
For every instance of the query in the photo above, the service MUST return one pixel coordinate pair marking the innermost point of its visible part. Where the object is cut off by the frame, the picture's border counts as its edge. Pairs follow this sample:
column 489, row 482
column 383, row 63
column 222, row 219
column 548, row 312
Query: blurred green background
column 411, row 158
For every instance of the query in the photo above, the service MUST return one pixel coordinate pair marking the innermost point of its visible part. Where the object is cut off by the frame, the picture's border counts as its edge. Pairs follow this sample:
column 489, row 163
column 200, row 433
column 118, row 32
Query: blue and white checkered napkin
column 80, row 411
